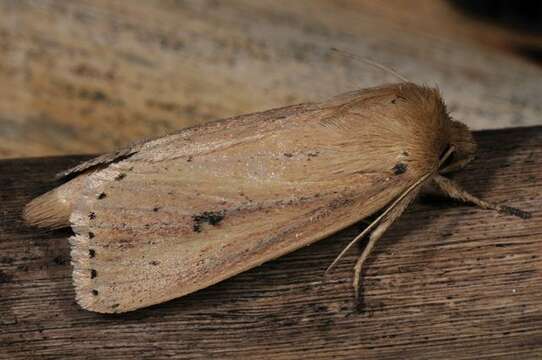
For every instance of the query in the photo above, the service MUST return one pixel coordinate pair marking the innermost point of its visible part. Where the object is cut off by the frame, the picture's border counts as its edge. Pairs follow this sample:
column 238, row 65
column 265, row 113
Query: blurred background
column 91, row 76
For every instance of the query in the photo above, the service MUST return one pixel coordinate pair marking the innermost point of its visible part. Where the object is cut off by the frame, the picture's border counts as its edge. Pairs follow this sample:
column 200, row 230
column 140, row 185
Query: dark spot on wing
column 93, row 273
column 340, row 203
column 120, row 176
column 90, row 235
column 399, row 168
column 91, row 253
column 92, row 215
column 288, row 155
column 210, row 217
column 101, row 196
column 95, row 292
column 154, row 263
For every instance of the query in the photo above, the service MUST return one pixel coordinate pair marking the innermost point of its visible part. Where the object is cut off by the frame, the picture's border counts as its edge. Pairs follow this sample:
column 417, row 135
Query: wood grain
column 91, row 76
column 447, row 281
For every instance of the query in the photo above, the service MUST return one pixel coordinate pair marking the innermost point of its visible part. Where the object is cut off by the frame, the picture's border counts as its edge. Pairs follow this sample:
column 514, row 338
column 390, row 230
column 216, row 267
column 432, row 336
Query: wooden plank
column 91, row 76
column 447, row 281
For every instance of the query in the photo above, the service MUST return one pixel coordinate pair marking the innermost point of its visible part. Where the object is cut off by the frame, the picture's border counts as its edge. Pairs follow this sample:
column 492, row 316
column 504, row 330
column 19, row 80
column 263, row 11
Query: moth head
column 464, row 147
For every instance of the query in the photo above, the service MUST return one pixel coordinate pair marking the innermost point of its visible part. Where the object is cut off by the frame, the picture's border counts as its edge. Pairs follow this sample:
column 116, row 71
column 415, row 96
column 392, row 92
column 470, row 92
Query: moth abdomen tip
column 47, row 211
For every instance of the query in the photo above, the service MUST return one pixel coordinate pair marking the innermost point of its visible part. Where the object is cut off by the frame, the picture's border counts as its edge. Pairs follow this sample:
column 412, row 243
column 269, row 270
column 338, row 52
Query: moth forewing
column 177, row 214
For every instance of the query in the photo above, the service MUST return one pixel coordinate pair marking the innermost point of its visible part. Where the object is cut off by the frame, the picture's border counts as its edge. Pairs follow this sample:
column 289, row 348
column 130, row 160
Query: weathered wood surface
column 91, row 76
column 447, row 281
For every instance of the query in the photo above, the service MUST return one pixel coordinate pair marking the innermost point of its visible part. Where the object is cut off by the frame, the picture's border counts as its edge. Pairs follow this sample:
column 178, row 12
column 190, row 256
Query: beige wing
column 191, row 209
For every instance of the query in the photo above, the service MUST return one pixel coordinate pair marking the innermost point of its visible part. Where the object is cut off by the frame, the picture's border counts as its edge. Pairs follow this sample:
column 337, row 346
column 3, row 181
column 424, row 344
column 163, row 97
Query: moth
column 166, row 217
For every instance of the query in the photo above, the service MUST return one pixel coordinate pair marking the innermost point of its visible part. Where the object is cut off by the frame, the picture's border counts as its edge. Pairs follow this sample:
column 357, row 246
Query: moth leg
column 376, row 234
column 453, row 190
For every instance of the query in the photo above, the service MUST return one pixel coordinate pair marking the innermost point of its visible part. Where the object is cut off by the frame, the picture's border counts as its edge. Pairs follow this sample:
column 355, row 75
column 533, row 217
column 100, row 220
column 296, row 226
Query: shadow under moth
column 170, row 216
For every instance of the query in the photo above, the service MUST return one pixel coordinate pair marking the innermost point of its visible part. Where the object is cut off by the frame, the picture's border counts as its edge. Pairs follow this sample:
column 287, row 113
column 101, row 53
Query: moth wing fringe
column 80, row 261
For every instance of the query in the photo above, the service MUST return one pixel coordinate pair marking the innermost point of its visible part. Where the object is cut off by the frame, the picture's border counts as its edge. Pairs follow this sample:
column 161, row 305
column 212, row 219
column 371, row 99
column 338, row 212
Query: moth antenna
column 371, row 63
column 378, row 219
